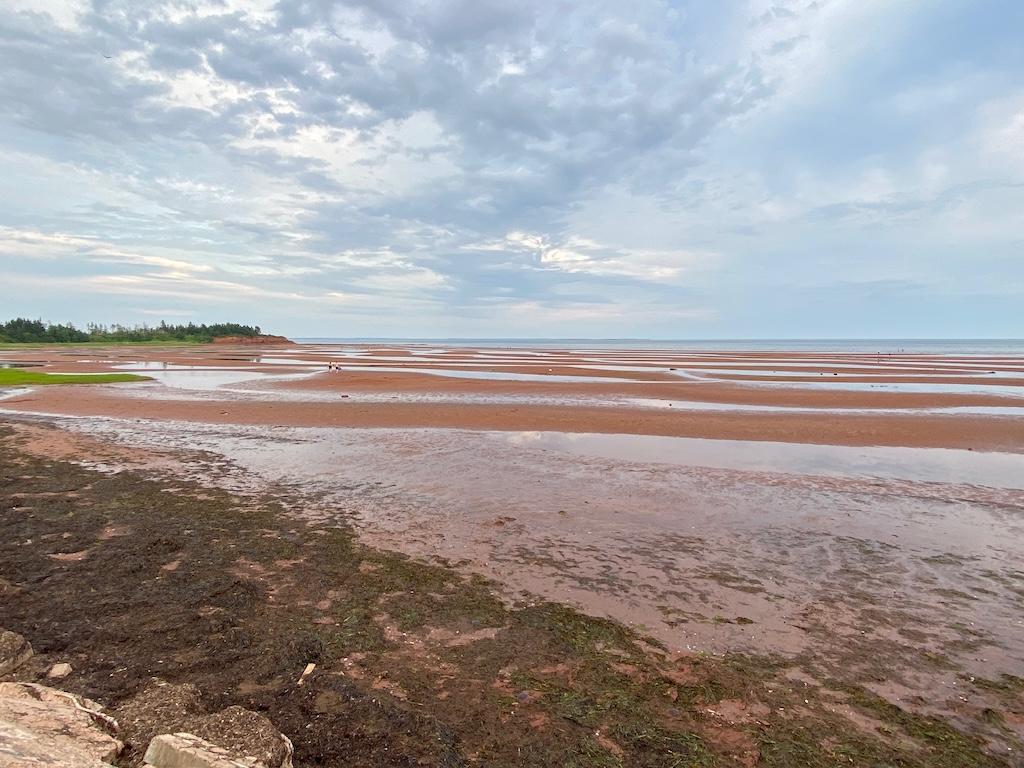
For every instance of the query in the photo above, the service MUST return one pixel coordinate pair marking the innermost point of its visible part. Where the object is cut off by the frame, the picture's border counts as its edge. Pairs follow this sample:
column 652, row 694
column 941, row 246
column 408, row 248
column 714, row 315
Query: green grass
column 12, row 377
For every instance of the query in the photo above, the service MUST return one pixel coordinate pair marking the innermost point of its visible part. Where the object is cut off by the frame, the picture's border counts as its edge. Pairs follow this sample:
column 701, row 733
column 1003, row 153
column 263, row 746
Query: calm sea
column 926, row 346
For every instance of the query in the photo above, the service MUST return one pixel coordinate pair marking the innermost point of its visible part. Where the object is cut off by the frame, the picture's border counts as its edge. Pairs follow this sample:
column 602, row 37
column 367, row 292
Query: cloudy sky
column 442, row 168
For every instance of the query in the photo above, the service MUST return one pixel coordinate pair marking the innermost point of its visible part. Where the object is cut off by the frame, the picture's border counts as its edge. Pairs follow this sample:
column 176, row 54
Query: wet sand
column 969, row 432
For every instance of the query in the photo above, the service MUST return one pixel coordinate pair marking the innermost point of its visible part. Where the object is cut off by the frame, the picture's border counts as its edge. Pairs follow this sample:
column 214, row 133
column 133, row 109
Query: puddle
column 847, row 373
column 947, row 465
column 157, row 365
column 188, row 378
column 953, row 410
column 496, row 375
column 922, row 388
column 292, row 361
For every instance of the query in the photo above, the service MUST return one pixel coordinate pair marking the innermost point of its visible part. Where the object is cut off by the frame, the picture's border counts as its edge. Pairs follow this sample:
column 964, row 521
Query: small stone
column 15, row 650
column 57, row 671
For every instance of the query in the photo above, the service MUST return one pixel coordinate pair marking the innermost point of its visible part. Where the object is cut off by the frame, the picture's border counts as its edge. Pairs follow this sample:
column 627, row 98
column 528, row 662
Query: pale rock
column 183, row 750
column 21, row 748
column 163, row 708
column 59, row 720
column 57, row 671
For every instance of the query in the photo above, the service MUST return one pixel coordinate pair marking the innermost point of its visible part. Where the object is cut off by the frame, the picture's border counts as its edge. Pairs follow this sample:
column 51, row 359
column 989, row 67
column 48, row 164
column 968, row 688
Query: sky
column 517, row 168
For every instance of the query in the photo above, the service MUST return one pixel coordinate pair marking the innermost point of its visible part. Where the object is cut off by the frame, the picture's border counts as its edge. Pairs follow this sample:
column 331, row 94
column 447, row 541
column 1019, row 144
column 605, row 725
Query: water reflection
column 996, row 470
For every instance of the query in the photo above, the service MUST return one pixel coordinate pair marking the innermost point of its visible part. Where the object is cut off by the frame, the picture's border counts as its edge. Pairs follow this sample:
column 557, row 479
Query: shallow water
column 491, row 375
column 996, row 470
column 960, row 347
column 951, row 410
column 204, row 379
column 857, row 373
column 927, row 388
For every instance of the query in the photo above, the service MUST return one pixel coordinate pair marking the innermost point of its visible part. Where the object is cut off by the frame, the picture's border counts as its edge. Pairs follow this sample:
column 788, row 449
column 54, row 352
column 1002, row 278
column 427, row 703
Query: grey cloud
column 537, row 105
column 584, row 110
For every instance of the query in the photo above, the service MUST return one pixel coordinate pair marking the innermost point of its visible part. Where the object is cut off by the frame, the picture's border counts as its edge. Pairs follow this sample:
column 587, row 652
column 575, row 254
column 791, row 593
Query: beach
column 854, row 516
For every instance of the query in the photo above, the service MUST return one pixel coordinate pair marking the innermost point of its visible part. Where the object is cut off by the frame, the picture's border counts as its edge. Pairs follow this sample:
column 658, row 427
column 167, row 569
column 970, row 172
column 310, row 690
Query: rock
column 20, row 748
column 249, row 734
column 184, row 750
column 59, row 722
column 15, row 650
column 162, row 708
column 57, row 671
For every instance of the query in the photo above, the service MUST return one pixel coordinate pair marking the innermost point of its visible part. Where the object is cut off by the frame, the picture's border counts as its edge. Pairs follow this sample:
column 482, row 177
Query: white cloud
column 65, row 13
column 576, row 254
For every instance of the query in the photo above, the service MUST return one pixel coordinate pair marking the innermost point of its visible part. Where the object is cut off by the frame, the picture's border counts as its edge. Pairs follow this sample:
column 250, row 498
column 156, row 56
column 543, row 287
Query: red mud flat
column 579, row 378
column 366, row 379
column 941, row 431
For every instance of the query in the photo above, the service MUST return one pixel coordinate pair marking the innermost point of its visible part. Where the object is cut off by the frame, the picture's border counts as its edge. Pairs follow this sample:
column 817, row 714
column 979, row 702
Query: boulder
column 15, row 650
column 163, row 708
column 248, row 734
column 21, row 748
column 185, row 750
column 57, row 723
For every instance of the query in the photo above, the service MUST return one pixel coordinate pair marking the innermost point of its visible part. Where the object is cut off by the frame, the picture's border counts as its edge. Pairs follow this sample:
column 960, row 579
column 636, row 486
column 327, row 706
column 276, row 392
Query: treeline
column 24, row 331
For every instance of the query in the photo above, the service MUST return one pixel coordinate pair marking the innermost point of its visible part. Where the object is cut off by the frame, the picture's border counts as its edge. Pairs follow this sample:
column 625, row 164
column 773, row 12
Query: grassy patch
column 660, row 748
column 13, row 377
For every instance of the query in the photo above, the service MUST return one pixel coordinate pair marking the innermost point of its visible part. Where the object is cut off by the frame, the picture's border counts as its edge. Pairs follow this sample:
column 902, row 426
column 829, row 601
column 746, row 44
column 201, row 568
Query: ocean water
column 885, row 346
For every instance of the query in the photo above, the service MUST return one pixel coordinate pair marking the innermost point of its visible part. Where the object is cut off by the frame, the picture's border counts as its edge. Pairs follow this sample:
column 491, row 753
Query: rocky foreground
column 43, row 725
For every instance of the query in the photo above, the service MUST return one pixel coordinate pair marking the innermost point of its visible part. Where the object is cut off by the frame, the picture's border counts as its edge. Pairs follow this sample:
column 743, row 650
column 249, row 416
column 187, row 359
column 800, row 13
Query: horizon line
column 642, row 338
